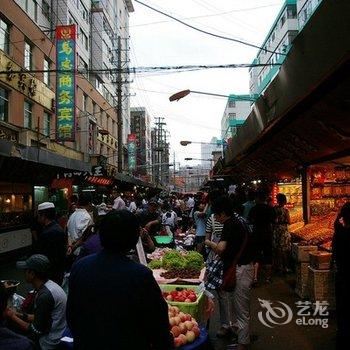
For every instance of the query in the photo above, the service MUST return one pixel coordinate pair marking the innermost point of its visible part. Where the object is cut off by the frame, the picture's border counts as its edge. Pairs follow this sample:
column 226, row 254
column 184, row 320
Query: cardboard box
column 301, row 252
column 320, row 260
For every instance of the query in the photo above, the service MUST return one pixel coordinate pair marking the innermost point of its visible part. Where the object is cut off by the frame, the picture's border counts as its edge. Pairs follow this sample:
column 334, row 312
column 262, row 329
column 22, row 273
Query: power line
column 205, row 16
column 206, row 32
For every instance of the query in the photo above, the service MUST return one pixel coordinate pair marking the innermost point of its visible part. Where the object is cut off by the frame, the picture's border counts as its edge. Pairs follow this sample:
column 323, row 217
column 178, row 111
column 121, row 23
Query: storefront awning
column 302, row 118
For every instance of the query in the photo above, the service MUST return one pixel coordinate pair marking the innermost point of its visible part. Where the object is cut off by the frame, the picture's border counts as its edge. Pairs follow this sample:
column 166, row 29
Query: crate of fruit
column 301, row 252
column 188, row 298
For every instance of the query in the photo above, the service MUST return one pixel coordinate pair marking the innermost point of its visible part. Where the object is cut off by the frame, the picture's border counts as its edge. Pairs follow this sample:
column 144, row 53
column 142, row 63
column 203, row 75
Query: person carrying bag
column 236, row 253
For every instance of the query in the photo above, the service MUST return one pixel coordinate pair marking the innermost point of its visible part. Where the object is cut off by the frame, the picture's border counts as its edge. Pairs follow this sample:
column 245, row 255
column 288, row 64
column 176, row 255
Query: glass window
column 291, row 12
column 4, row 36
column 28, row 56
column 4, row 104
column 232, row 116
column 283, row 20
column 46, row 74
column 28, row 112
column 83, row 11
column 83, row 39
column 45, row 9
column 85, row 101
column 231, row 104
column 32, row 9
column 47, row 124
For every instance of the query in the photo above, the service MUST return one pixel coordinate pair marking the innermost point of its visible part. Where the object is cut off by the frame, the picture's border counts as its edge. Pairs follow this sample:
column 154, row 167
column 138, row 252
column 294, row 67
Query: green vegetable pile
column 194, row 260
column 155, row 264
column 175, row 260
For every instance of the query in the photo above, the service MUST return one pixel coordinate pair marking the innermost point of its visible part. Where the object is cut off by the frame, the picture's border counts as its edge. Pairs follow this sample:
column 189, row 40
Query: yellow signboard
column 25, row 83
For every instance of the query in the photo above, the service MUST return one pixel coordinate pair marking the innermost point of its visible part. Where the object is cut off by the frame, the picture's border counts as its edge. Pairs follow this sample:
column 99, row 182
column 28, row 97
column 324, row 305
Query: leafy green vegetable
column 155, row 264
column 173, row 259
column 194, row 260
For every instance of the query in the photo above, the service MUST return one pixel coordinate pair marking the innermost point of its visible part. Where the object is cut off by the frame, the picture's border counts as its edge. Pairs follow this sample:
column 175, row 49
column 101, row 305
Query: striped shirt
column 214, row 229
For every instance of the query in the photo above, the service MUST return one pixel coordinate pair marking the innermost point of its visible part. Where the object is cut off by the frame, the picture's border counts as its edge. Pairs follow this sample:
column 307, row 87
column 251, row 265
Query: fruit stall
column 180, row 274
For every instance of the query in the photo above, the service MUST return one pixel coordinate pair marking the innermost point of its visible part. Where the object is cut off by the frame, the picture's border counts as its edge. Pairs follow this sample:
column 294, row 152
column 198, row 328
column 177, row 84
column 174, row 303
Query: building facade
column 236, row 112
column 305, row 9
column 32, row 161
column 275, row 47
column 141, row 127
column 207, row 149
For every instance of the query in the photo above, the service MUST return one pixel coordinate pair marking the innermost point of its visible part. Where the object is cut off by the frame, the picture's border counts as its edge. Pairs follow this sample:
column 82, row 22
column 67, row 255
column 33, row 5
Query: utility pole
column 120, row 108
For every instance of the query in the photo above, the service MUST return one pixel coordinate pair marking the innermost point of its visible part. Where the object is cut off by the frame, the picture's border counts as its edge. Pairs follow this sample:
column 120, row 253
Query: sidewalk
column 282, row 337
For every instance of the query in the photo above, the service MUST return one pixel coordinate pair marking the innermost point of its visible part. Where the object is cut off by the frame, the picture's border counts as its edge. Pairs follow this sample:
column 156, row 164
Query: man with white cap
column 52, row 241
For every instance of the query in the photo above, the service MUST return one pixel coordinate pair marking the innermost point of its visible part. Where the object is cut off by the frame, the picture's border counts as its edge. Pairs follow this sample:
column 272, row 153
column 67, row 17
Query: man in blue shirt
column 113, row 302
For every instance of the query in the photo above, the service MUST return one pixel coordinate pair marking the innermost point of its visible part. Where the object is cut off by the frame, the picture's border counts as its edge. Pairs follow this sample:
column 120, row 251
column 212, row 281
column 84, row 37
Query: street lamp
column 205, row 160
column 181, row 94
column 218, row 143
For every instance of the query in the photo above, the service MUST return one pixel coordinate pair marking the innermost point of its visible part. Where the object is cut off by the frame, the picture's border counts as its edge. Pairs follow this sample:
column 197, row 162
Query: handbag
column 214, row 273
column 229, row 276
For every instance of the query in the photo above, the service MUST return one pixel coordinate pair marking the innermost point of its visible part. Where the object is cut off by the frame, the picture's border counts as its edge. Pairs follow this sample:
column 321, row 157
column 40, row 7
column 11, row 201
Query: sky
column 160, row 41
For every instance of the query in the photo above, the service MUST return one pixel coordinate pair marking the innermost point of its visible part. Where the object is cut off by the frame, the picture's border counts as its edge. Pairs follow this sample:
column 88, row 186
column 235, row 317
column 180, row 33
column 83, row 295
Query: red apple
column 172, row 321
column 182, row 317
column 190, row 336
column 176, row 309
column 196, row 331
column 177, row 320
column 188, row 300
column 169, row 297
column 177, row 342
column 183, row 339
column 176, row 331
column 182, row 327
column 188, row 317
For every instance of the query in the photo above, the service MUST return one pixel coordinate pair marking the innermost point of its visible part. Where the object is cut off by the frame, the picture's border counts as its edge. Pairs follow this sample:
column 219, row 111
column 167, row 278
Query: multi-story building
column 207, row 149
column 32, row 160
column 140, row 126
column 160, row 153
column 275, row 47
column 305, row 9
column 236, row 112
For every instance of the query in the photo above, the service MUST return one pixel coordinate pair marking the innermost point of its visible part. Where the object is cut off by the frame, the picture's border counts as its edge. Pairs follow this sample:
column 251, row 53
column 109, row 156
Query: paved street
column 286, row 337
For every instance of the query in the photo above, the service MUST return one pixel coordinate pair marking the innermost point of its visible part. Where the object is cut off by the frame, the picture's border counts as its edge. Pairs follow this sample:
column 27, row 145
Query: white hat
column 46, row 205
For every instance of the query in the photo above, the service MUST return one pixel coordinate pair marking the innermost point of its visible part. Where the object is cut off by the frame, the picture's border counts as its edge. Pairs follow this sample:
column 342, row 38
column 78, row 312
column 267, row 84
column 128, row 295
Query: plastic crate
column 163, row 239
column 195, row 309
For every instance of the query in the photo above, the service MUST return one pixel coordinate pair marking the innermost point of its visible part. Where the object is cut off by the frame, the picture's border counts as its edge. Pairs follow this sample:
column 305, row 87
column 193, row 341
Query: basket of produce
column 189, row 299
column 178, row 266
column 185, row 329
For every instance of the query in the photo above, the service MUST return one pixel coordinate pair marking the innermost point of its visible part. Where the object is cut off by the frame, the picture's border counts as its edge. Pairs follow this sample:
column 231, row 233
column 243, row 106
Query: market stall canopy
column 303, row 116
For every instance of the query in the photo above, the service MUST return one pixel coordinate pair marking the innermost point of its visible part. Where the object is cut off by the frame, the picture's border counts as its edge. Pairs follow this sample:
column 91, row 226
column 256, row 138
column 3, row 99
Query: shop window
column 46, row 74
column 28, row 56
column 47, row 124
column 4, row 36
column 4, row 104
column 28, row 115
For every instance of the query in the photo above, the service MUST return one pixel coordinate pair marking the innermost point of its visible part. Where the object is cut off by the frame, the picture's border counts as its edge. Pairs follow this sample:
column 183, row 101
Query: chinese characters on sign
column 132, row 152
column 65, row 84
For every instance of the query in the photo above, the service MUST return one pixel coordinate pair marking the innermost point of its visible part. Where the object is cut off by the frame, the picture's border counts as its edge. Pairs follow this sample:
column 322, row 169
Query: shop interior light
column 8, row 200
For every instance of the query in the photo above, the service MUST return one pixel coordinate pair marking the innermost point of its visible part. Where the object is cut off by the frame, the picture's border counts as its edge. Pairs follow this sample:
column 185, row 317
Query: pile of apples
column 183, row 327
column 184, row 296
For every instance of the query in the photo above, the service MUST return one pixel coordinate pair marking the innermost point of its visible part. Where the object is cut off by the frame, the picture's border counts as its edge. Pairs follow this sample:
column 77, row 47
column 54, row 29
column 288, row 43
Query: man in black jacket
column 113, row 302
column 52, row 241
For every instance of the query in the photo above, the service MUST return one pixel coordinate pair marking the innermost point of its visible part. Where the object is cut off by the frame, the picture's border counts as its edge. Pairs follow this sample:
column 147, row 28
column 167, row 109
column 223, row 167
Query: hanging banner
column 132, row 152
column 65, row 83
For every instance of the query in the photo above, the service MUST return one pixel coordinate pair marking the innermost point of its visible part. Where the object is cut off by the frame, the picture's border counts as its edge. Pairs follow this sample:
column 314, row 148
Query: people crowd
column 243, row 237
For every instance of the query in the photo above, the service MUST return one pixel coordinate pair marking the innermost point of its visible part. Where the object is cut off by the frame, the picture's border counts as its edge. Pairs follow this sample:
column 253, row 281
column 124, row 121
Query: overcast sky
column 159, row 41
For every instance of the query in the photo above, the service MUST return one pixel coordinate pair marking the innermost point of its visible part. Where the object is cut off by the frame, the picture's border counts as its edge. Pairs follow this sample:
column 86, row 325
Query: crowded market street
column 174, row 175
